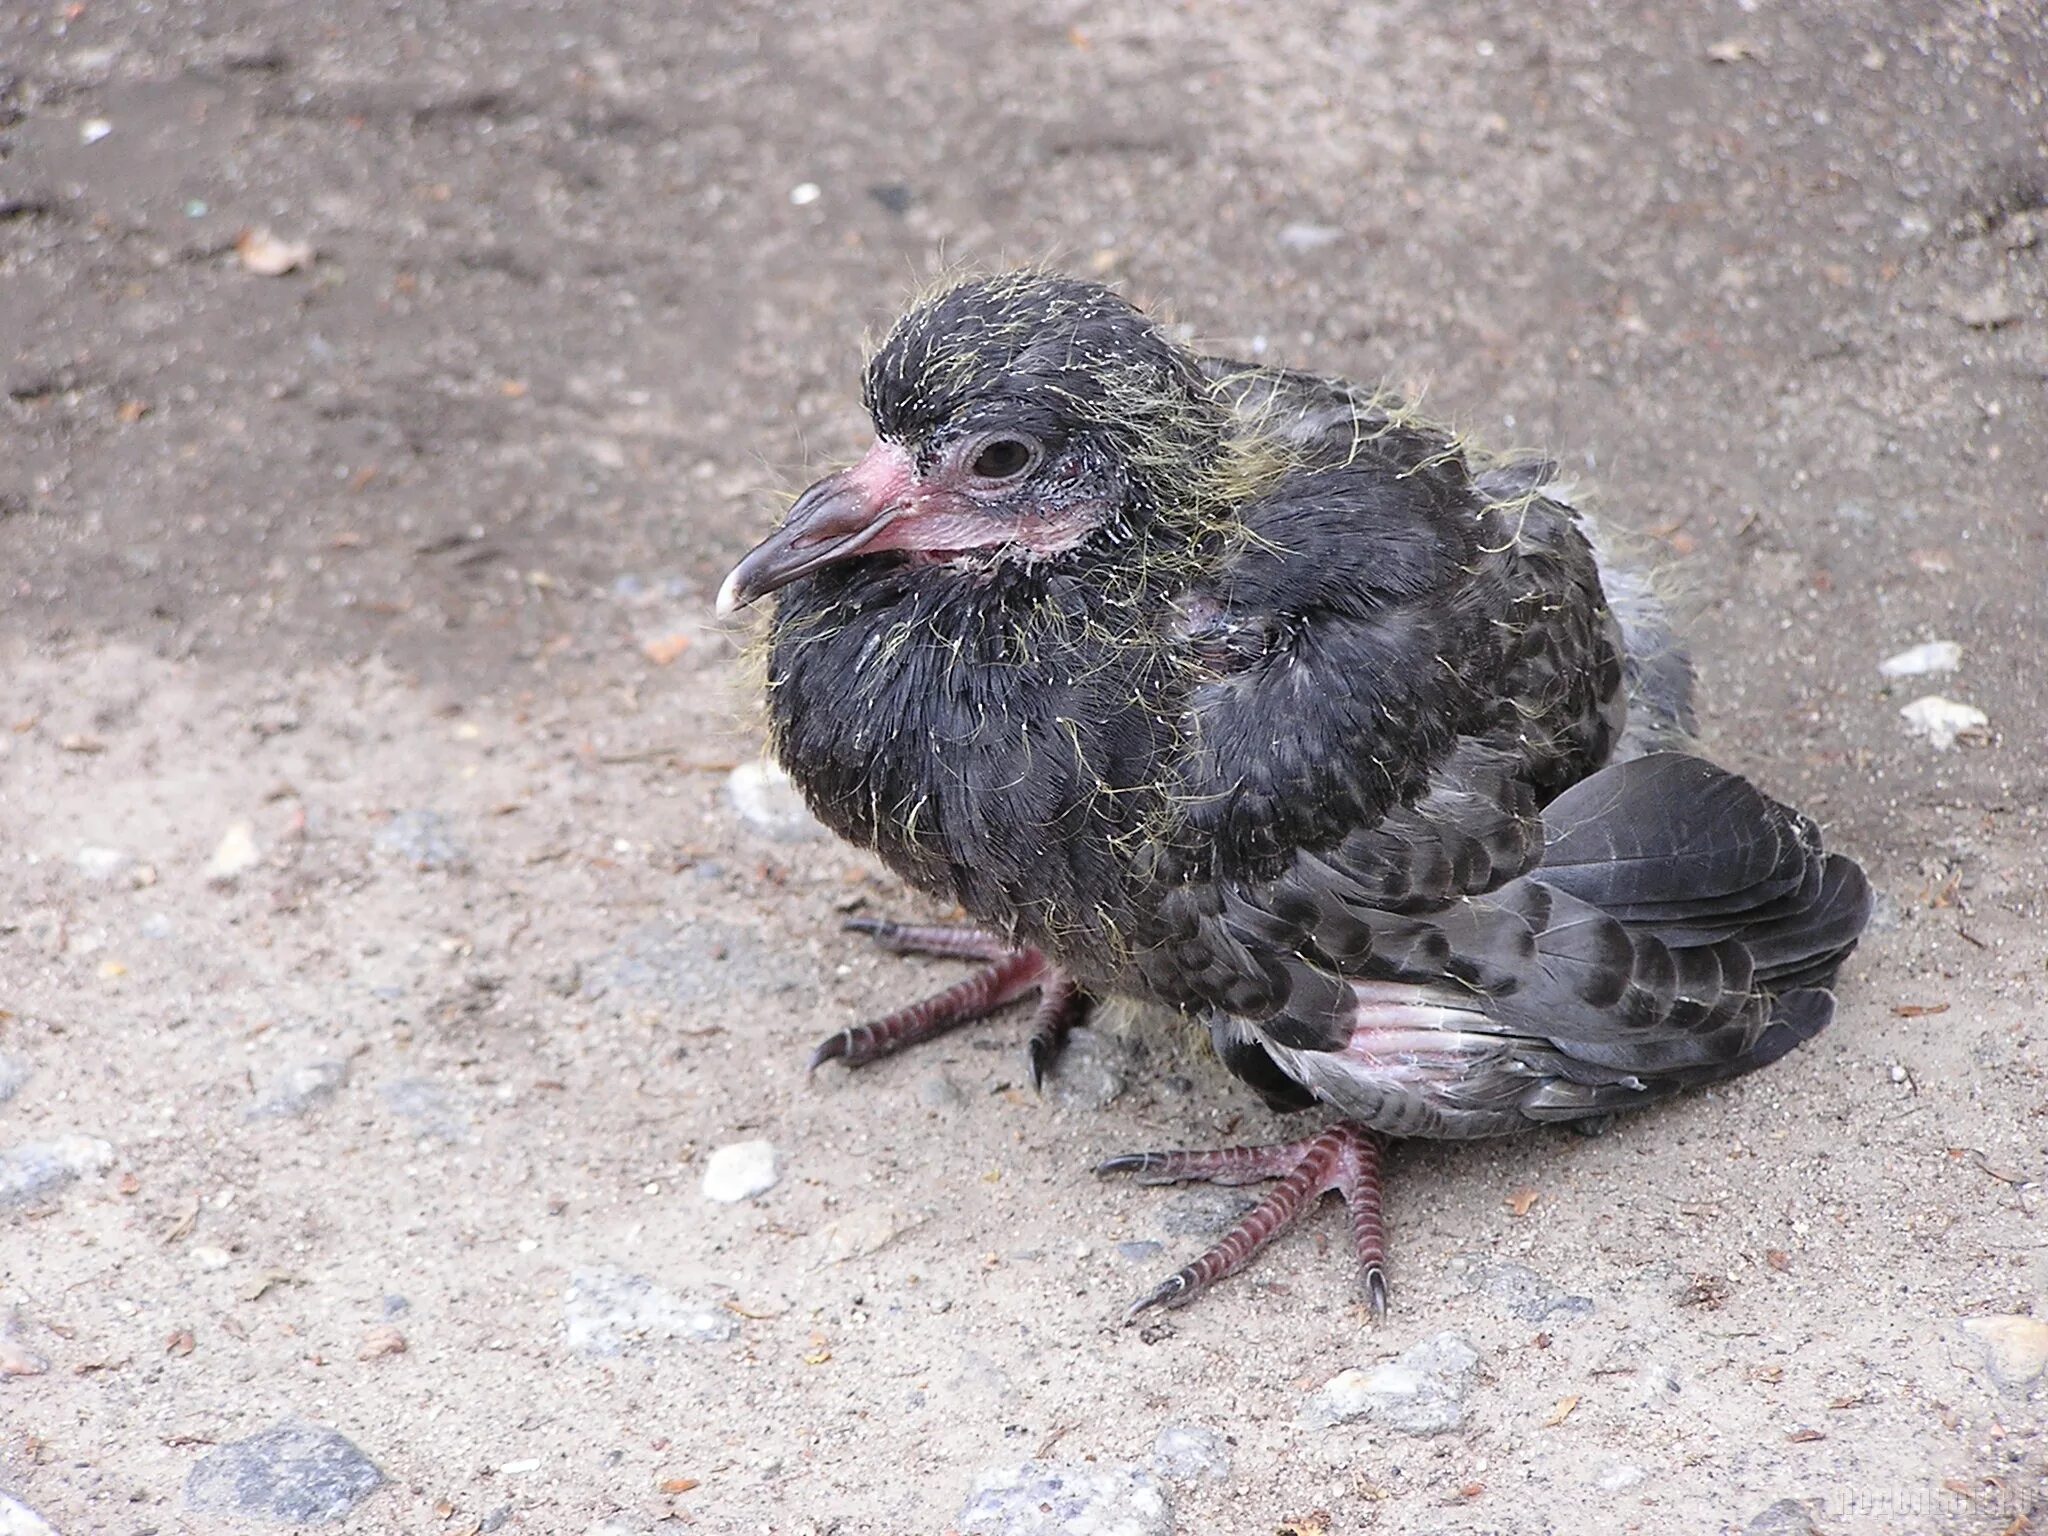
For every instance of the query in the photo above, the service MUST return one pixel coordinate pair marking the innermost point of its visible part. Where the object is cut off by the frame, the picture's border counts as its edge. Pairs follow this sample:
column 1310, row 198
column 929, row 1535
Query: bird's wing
column 1667, row 929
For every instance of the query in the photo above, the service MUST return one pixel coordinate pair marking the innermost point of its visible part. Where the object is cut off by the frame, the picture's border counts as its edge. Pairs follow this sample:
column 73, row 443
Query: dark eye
column 1002, row 458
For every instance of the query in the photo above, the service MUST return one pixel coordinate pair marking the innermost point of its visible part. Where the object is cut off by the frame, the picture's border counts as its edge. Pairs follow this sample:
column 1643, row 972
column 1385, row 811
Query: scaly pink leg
column 1011, row 975
column 1061, row 1005
column 1344, row 1157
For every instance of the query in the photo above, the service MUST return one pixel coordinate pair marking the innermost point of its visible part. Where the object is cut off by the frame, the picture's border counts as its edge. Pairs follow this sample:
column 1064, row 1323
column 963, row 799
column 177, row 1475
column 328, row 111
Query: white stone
column 235, row 855
column 609, row 1312
column 1934, row 656
column 739, row 1172
column 17, row 1519
column 101, row 863
column 1940, row 721
column 1067, row 1499
column 1421, row 1393
column 2013, row 1351
column 769, row 803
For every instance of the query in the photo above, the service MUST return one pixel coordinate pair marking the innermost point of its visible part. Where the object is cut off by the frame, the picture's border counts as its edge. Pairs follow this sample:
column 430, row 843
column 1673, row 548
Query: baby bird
column 1244, row 692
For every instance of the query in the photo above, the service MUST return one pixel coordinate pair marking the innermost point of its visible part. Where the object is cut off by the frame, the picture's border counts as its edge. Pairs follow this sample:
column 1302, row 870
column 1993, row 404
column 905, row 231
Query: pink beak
column 837, row 518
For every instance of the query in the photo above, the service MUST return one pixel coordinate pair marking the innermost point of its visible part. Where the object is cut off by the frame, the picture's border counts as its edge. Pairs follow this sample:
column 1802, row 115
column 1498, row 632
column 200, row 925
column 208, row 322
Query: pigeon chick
column 1244, row 692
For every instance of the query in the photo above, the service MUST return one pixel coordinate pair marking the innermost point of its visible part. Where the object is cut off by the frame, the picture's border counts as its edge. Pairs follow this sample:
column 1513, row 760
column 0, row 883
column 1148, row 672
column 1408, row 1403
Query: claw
column 1343, row 1157
column 996, row 986
column 1171, row 1292
column 831, row 1048
column 1061, row 1005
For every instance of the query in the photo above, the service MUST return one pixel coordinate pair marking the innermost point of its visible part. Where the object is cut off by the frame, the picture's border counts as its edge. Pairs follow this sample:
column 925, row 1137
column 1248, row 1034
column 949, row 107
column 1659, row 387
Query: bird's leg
column 1344, row 1157
column 1010, row 975
column 1061, row 1005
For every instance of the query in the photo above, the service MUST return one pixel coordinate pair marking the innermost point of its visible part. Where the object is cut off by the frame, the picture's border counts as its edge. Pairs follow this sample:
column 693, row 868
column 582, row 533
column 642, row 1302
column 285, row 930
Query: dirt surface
column 379, row 938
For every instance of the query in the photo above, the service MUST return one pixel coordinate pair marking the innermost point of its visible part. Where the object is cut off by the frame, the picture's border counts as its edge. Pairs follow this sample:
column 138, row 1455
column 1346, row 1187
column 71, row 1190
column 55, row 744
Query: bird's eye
column 1002, row 458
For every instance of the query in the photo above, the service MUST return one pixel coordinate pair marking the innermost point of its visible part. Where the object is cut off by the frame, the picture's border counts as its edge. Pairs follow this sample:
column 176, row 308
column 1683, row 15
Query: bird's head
column 1017, row 418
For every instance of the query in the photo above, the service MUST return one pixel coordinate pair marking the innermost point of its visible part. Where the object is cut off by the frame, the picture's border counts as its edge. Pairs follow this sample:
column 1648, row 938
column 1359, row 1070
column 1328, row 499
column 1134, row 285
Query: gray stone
column 1787, row 1517
column 1185, row 1452
column 1527, row 1295
column 1090, row 1071
column 1067, row 1499
column 38, row 1168
column 937, row 1091
column 609, row 1312
column 294, row 1473
column 768, row 802
column 1421, row 1393
column 426, row 1106
column 1142, row 1251
column 13, row 1073
column 17, row 1519
column 424, row 839
column 298, row 1089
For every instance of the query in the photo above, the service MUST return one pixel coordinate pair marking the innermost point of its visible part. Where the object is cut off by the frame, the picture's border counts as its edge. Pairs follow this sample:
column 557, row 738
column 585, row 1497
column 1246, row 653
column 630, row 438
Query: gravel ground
column 403, row 1003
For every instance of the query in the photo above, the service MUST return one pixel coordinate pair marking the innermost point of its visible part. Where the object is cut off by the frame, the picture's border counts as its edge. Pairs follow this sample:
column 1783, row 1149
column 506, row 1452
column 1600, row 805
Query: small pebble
column 1144, row 1251
column 1185, row 1452
column 426, row 1107
column 1934, row 656
column 606, row 1312
column 13, row 1073
column 1067, row 1499
column 101, row 863
column 17, row 1519
column 2012, row 1351
column 938, row 1091
column 1421, row 1393
column 16, row 1357
column 1940, row 721
column 93, row 129
column 424, row 839
column 804, row 193
column 234, row 855
column 1308, row 237
column 1089, row 1072
column 298, row 1089
column 1618, row 1475
column 1787, row 1517
column 1987, row 309
column 739, row 1172
column 294, row 1473
column 768, row 802
column 211, row 1257
column 38, row 1168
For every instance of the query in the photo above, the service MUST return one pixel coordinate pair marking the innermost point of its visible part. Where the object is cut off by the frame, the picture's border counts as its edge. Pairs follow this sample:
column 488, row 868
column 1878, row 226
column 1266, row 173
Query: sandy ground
column 381, row 948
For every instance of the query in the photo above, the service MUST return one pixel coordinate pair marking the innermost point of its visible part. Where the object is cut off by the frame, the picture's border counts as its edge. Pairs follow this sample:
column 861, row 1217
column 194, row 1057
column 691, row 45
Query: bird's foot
column 1344, row 1157
column 1009, row 975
